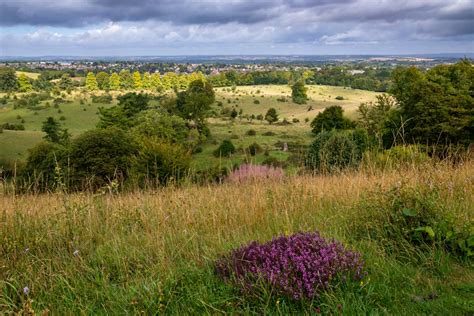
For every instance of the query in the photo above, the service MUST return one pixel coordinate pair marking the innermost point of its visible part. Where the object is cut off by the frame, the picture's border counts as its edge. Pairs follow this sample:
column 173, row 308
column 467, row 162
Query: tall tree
column 54, row 132
column 8, row 81
column 126, row 79
column 65, row 82
column 146, row 83
column 91, row 82
column 24, row 83
column 156, row 83
column 137, row 81
column 437, row 107
column 103, row 80
column 114, row 81
column 271, row 116
column 298, row 92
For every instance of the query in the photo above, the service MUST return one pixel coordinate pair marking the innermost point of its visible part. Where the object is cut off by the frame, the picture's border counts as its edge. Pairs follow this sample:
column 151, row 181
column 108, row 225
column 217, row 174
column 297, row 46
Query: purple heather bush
column 248, row 172
column 300, row 266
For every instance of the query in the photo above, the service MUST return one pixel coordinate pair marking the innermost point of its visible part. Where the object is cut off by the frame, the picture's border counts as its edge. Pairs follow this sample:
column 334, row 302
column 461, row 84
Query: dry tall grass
column 152, row 234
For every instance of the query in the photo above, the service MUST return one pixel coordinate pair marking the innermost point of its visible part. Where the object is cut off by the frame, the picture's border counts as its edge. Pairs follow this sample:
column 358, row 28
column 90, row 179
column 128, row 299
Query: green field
column 81, row 117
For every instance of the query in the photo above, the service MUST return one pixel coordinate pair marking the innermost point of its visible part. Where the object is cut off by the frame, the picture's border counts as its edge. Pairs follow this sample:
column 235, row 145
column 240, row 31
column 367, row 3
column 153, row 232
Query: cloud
column 275, row 23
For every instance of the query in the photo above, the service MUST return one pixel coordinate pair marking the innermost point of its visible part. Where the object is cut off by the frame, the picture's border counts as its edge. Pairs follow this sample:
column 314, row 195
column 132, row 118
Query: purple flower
column 26, row 290
column 298, row 266
column 248, row 172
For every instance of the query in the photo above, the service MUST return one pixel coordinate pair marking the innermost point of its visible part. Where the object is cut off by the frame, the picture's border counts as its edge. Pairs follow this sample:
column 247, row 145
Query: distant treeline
column 367, row 79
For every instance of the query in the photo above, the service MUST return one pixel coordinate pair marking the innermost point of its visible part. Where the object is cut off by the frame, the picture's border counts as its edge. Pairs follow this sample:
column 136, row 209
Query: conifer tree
column 91, row 82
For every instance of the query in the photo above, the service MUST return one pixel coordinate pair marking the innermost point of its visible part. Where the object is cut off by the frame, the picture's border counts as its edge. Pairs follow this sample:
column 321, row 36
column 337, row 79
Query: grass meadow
column 78, row 118
column 152, row 252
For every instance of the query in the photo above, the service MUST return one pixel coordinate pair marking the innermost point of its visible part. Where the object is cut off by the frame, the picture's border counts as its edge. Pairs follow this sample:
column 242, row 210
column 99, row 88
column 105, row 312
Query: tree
column 114, row 81
column 103, row 80
column 437, row 107
column 373, row 116
column 42, row 83
column 122, row 115
column 65, row 82
column 91, row 82
column 233, row 113
column 137, row 81
column 298, row 92
column 156, row 83
column 271, row 116
column 147, row 83
column 225, row 149
column 24, row 83
column 331, row 118
column 126, row 79
column 169, row 128
column 8, row 81
column 54, row 132
column 195, row 103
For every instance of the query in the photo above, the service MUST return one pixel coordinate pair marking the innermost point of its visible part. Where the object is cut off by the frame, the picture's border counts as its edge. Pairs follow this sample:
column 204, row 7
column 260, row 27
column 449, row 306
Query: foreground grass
column 153, row 251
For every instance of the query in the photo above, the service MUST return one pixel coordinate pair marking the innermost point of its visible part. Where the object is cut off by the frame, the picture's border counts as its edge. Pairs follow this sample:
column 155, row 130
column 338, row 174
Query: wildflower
column 26, row 290
column 298, row 266
column 27, row 249
column 76, row 252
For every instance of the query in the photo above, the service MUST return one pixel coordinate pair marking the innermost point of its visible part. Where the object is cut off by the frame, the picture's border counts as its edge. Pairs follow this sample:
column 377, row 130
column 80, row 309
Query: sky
column 234, row 27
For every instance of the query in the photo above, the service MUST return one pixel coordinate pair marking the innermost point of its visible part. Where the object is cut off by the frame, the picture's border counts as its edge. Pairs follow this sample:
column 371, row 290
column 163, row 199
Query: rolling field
column 81, row 117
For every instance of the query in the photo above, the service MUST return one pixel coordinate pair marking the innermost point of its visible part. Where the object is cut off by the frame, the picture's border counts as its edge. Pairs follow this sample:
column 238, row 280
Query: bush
column 336, row 150
column 256, row 102
column 331, row 118
column 45, row 166
column 100, row 156
column 398, row 157
column 295, row 120
column 104, row 99
column 339, row 98
column 251, row 132
column 269, row 133
column 225, row 149
column 13, row 127
column 159, row 162
column 300, row 267
column 254, row 149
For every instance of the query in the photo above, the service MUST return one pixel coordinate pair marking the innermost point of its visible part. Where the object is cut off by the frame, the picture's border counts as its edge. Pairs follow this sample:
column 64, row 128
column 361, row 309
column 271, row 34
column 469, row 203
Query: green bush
column 159, row 162
column 254, row 149
column 336, row 150
column 225, row 149
column 104, row 99
column 45, row 166
column 99, row 156
column 398, row 157
column 251, row 132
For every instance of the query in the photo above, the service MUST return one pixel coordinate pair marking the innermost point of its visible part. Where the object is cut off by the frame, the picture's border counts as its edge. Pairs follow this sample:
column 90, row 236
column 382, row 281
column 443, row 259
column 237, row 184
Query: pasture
column 77, row 118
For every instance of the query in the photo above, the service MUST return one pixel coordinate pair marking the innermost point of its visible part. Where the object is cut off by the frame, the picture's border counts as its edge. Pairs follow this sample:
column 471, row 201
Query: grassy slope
column 78, row 120
column 152, row 252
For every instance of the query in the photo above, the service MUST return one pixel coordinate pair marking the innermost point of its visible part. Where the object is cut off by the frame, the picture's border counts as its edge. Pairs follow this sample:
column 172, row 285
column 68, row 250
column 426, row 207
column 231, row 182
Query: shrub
column 225, row 149
column 13, row 127
column 398, row 157
column 331, row 118
column 256, row 102
column 254, row 149
column 159, row 162
column 339, row 98
column 249, row 172
column 251, row 132
column 44, row 165
column 100, row 156
column 300, row 266
column 336, row 150
column 269, row 133
column 295, row 120
column 104, row 99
